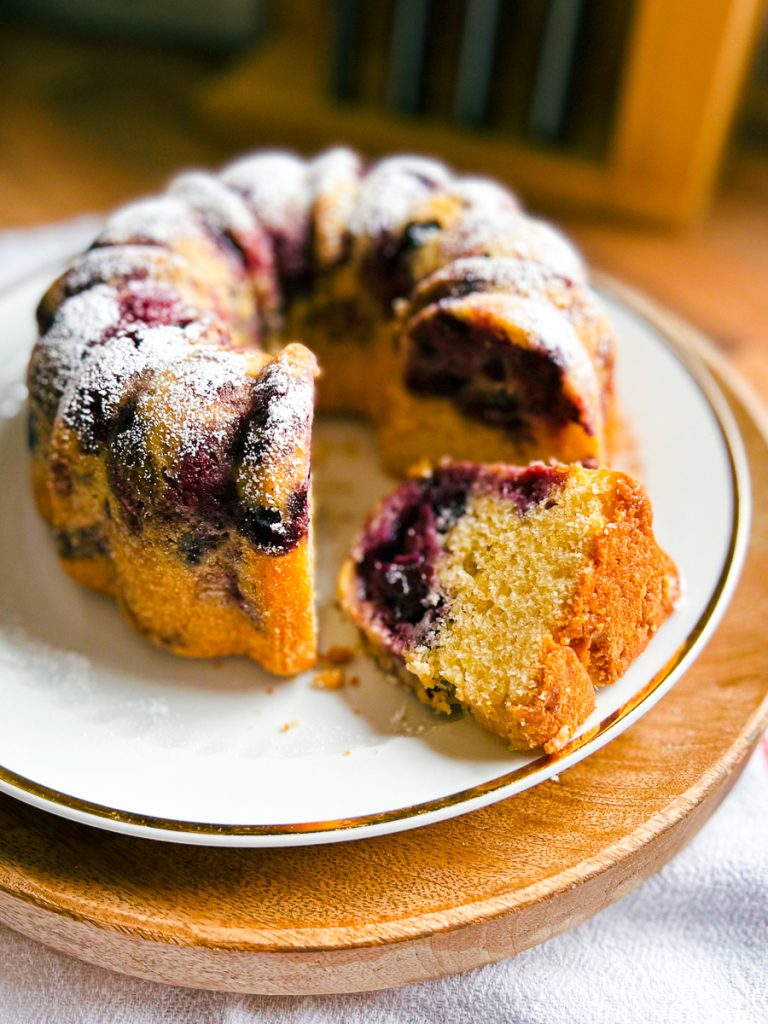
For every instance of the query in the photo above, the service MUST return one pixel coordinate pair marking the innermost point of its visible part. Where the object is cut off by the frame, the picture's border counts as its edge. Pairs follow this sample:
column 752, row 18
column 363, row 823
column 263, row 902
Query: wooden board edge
column 371, row 967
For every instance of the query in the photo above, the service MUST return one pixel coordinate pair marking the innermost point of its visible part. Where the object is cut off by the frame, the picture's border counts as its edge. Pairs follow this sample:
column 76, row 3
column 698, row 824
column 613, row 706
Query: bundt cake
column 510, row 592
column 170, row 431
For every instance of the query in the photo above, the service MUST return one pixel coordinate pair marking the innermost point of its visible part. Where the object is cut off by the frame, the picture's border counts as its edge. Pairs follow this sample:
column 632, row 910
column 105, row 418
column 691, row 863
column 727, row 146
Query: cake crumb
column 347, row 753
column 270, row 689
column 338, row 655
column 356, row 711
column 353, row 681
column 287, row 726
column 329, row 679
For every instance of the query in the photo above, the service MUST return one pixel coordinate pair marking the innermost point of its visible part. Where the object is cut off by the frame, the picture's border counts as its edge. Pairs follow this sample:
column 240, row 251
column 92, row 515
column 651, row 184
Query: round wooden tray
column 436, row 900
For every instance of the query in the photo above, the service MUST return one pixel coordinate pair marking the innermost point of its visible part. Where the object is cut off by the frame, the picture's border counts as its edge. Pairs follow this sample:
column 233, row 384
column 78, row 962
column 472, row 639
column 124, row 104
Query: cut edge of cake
column 510, row 592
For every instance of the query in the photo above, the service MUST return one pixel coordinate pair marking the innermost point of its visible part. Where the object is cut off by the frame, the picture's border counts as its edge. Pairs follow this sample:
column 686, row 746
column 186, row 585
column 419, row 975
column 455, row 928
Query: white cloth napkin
column 689, row 947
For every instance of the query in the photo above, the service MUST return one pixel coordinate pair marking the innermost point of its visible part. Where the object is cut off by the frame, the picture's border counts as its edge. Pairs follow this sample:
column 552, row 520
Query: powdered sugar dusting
column 161, row 220
column 275, row 186
column 333, row 179
column 484, row 194
column 333, row 168
column 391, row 189
column 221, row 209
column 524, row 277
column 93, row 399
column 190, row 407
column 95, row 395
column 479, row 233
column 122, row 263
column 276, row 451
column 547, row 330
column 25, row 655
column 84, row 316
column 79, row 322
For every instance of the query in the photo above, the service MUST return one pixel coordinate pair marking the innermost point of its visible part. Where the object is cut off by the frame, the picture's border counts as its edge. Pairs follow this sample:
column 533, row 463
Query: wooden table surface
column 87, row 124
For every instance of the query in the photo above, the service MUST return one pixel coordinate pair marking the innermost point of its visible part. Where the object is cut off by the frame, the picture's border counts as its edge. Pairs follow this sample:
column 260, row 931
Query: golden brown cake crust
column 628, row 589
column 626, row 592
column 564, row 698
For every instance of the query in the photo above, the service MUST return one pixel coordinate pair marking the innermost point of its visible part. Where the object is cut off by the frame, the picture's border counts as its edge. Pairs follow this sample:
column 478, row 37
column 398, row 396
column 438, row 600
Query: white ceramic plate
column 98, row 726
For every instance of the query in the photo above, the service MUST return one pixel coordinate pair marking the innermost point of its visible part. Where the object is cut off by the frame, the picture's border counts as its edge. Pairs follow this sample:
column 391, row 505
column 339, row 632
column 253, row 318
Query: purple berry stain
column 486, row 377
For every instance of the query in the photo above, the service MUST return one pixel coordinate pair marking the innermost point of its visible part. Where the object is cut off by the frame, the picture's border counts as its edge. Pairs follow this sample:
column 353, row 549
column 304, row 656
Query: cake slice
column 510, row 592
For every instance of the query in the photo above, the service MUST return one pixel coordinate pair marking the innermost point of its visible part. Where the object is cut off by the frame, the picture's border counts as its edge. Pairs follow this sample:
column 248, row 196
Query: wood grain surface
column 407, row 907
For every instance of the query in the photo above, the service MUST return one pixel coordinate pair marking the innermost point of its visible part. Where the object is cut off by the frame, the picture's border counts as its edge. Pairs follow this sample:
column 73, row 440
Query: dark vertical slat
column 347, row 22
column 551, row 87
column 476, row 61
column 405, row 89
column 521, row 29
column 547, row 69
column 598, row 72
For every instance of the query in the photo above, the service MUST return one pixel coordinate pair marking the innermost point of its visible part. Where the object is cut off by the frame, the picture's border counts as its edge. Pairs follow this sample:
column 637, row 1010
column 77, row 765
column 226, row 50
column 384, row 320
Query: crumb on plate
column 328, row 679
column 338, row 655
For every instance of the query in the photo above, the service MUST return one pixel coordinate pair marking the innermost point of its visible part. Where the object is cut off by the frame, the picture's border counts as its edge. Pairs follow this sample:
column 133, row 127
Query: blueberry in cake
column 510, row 592
column 500, row 360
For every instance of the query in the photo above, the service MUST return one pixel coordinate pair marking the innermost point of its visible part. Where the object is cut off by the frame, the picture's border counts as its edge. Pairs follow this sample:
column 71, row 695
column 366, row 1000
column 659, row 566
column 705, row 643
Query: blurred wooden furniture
column 682, row 70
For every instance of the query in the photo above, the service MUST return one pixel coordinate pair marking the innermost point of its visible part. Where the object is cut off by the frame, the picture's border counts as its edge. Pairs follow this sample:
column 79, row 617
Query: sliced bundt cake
column 439, row 310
